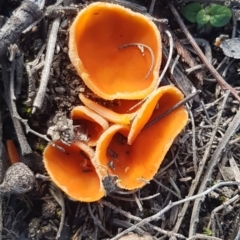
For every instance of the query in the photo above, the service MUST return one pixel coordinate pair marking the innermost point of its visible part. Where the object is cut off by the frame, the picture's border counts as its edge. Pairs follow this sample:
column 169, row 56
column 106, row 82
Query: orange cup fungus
column 119, row 112
column 91, row 125
column 136, row 164
column 116, row 51
column 74, row 171
column 12, row 151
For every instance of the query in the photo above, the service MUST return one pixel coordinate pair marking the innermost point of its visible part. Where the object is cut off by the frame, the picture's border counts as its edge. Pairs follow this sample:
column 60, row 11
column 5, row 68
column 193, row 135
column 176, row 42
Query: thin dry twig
column 182, row 51
column 97, row 222
column 176, row 106
column 8, row 80
column 213, row 71
column 151, row 8
column 203, row 237
column 200, row 168
column 138, row 219
column 138, row 202
column 169, row 58
column 233, row 126
column 167, row 189
column 219, row 208
column 194, row 148
column 25, row 14
column 1, row 166
column 156, row 216
column 58, row 196
column 38, row 101
column 235, row 169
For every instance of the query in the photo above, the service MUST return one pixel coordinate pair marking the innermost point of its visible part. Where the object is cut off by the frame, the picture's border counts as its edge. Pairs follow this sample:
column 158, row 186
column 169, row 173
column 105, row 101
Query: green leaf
column 203, row 17
column 207, row 231
column 220, row 15
column 190, row 11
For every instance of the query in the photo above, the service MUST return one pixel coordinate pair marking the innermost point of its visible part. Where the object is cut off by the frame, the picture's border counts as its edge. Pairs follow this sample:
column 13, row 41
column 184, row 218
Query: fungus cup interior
column 158, row 102
column 118, row 112
column 91, row 125
column 108, row 69
column 74, row 171
column 137, row 164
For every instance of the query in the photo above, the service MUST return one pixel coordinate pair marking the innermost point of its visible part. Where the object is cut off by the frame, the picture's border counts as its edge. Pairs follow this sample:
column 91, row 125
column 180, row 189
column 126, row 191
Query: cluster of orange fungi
column 117, row 53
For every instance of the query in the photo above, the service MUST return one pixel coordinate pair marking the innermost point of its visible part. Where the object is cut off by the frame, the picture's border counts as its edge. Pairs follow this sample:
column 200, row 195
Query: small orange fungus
column 74, row 171
column 156, row 104
column 117, row 114
column 12, row 152
column 136, row 164
column 116, row 51
column 91, row 125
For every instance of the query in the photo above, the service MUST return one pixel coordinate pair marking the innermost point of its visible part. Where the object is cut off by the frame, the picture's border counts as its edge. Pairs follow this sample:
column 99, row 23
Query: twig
column 125, row 224
column 207, row 48
column 221, row 207
column 167, row 189
column 200, row 168
column 174, row 185
column 192, row 69
column 174, row 64
column 8, row 93
column 138, row 219
column 156, row 216
column 1, row 165
column 132, row 200
column 59, row 198
column 235, row 20
column 151, row 8
column 169, row 58
column 97, row 222
column 203, row 237
column 235, row 169
column 27, row 13
column 30, row 69
column 238, row 235
column 138, row 202
column 194, row 152
column 38, row 101
column 213, row 71
column 233, row 126
column 176, row 106
column 19, row 73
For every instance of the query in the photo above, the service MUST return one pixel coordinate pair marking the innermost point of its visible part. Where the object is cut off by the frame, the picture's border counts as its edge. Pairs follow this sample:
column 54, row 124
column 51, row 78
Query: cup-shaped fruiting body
column 116, row 51
column 136, row 164
column 88, row 124
column 120, row 111
column 12, row 151
column 158, row 102
column 74, row 170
